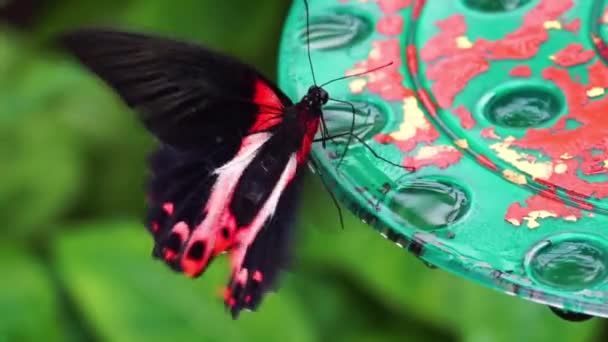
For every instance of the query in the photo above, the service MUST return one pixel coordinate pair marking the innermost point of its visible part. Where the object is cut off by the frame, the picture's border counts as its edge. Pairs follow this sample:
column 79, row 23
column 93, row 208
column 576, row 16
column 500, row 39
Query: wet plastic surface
column 500, row 106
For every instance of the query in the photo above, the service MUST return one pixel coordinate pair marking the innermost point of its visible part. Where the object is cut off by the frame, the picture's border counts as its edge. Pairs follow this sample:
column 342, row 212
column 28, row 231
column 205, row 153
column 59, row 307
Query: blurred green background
column 76, row 263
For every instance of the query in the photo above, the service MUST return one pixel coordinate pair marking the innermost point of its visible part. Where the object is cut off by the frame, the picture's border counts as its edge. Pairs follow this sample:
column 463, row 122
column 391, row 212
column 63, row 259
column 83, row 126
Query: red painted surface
column 442, row 159
column 466, row 119
column 393, row 6
column 485, row 161
column 452, row 59
column 572, row 55
column 573, row 26
column 390, row 25
column 426, row 101
column 418, row 5
column 519, row 213
column 489, row 133
column 452, row 75
column 521, row 71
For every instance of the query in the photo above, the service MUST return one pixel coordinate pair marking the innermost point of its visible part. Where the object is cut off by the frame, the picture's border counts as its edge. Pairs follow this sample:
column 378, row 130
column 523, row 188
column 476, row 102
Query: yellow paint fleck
column 542, row 170
column 514, row 222
column 571, row 218
column 560, row 168
column 534, row 216
column 356, row 86
column 514, row 177
column 552, row 25
column 605, row 19
column 428, row 152
column 552, row 57
column 462, row 143
column 463, row 42
column 375, row 53
column 596, row 91
column 566, row 156
column 413, row 120
column 606, row 164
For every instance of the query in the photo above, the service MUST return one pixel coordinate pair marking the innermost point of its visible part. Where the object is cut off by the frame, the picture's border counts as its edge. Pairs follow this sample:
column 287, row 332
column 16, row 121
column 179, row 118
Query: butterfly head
column 315, row 98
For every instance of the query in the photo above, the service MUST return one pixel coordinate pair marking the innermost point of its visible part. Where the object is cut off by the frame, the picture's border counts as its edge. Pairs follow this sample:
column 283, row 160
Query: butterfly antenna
column 312, row 69
column 331, row 194
column 351, row 130
column 357, row 74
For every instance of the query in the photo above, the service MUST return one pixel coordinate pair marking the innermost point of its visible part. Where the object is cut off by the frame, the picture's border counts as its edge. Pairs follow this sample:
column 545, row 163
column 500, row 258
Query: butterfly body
column 227, row 173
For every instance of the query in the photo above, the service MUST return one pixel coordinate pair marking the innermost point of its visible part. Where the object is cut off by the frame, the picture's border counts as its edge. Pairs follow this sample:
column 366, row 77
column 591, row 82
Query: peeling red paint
column 466, row 119
column 441, row 158
column 388, row 81
column 452, row 60
column 392, row 6
column 573, row 26
column 489, row 133
column 521, row 71
column 390, row 25
column 572, row 55
column 598, row 74
column 444, row 43
column 452, row 75
column 539, row 207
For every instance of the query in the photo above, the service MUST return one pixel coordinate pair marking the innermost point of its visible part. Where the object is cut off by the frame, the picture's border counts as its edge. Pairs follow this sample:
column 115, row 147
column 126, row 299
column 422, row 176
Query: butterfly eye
column 324, row 96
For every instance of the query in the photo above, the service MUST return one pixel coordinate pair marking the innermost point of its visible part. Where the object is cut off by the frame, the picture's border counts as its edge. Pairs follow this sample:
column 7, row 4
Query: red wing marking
column 312, row 124
column 208, row 235
column 271, row 107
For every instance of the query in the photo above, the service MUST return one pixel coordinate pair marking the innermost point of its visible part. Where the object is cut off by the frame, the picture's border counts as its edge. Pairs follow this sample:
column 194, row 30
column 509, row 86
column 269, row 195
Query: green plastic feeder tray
column 501, row 108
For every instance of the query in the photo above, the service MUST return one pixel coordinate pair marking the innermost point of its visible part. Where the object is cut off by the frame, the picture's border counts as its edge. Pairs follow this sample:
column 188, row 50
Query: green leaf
column 28, row 305
column 39, row 174
column 206, row 22
column 128, row 296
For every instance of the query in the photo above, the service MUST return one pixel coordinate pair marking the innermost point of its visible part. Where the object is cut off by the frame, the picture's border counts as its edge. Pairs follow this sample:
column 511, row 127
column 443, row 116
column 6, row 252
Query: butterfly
column 232, row 151
column 232, row 146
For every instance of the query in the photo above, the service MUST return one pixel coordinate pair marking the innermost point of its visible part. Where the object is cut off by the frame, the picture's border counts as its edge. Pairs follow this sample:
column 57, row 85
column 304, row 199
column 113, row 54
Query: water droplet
column 522, row 107
column 495, row 5
column 335, row 31
column 430, row 203
column 569, row 264
column 369, row 120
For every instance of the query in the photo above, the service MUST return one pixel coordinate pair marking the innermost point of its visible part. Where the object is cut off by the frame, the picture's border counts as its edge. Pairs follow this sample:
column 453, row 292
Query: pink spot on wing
column 155, row 227
column 168, row 208
column 241, row 277
column 257, row 276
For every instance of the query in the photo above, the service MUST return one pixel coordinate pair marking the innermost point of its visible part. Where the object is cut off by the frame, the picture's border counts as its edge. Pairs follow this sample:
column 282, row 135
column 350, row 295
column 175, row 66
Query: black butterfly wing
column 265, row 257
column 187, row 95
column 202, row 106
